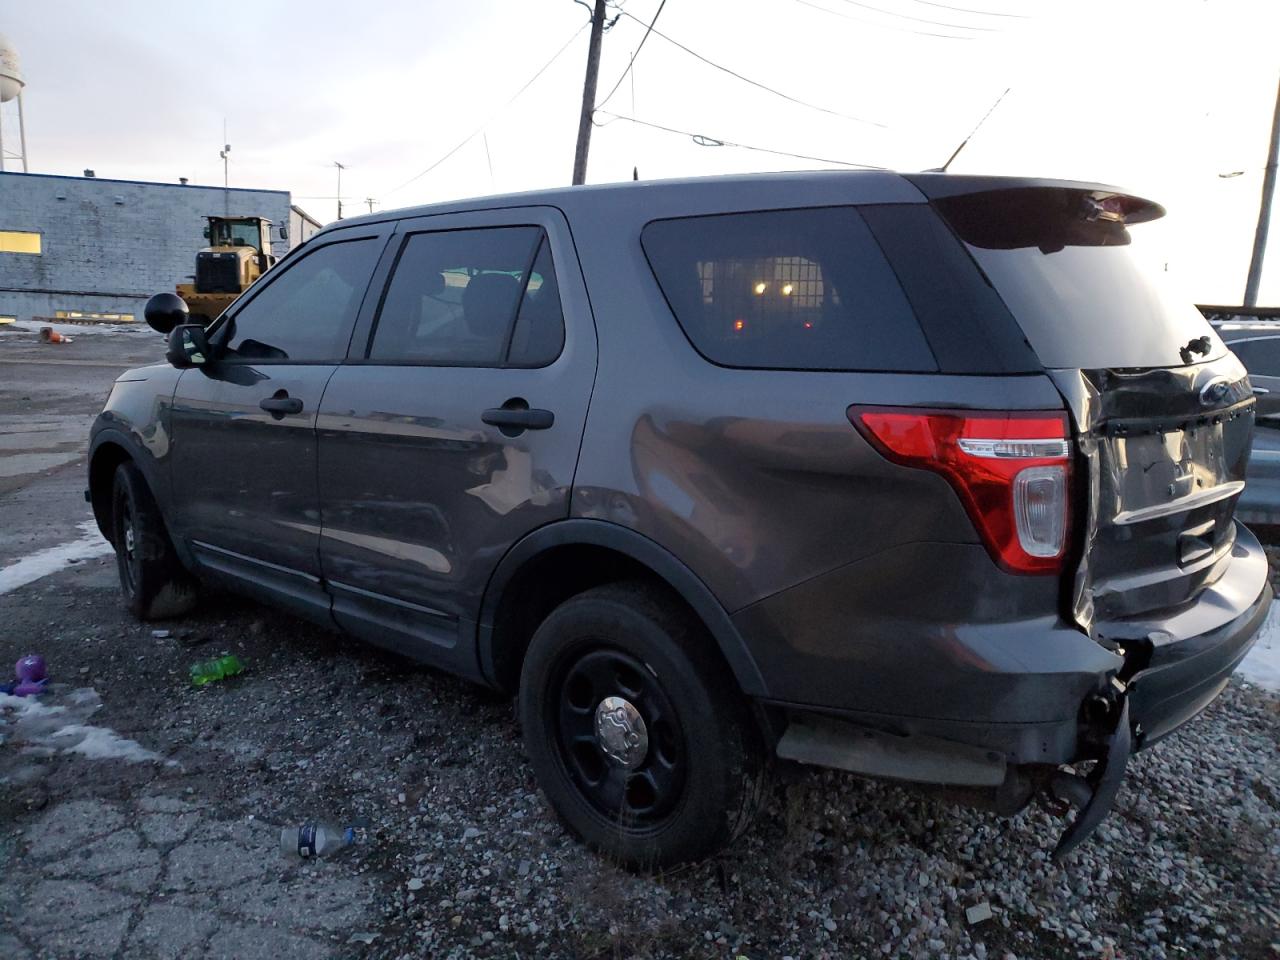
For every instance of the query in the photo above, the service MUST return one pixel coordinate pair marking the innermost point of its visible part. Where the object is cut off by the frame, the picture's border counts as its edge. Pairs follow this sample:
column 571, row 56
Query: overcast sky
column 1160, row 96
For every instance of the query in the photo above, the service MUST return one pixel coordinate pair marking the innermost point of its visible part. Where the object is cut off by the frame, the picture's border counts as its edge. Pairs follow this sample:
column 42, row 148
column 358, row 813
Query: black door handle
column 516, row 418
column 279, row 406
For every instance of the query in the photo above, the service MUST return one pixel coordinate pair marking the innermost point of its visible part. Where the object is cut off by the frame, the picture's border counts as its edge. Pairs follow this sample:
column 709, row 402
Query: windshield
column 225, row 234
column 1072, row 280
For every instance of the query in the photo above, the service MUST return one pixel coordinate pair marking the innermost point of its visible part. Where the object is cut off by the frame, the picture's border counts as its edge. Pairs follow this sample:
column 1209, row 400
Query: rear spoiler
column 1106, row 202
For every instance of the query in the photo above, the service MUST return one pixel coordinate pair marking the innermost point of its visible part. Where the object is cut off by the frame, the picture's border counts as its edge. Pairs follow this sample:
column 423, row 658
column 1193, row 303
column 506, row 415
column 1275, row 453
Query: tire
column 686, row 787
column 154, row 583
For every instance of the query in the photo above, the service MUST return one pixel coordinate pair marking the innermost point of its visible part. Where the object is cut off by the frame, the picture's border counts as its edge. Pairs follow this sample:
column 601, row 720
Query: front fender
column 134, row 424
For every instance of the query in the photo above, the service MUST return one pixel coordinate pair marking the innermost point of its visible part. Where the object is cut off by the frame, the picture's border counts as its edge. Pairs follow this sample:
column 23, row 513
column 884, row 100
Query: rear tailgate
column 1166, row 452
column 1163, row 411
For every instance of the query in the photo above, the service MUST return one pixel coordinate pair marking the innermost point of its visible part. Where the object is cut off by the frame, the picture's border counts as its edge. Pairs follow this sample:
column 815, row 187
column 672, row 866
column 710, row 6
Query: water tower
column 11, row 84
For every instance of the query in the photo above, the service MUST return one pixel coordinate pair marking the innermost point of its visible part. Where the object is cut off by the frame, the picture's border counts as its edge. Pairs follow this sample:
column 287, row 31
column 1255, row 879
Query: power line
column 632, row 62
column 907, row 16
column 480, row 129
column 981, row 13
column 883, row 26
column 756, row 83
column 705, row 140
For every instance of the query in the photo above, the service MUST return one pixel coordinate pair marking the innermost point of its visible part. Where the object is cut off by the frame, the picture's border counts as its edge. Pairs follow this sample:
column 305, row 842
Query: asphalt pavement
column 49, row 395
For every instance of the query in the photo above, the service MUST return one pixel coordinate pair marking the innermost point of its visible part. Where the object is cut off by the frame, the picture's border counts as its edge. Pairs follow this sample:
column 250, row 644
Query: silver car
column 1255, row 340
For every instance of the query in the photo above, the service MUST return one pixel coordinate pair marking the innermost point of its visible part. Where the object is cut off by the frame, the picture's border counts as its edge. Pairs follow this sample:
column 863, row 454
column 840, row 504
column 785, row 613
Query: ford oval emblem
column 1213, row 392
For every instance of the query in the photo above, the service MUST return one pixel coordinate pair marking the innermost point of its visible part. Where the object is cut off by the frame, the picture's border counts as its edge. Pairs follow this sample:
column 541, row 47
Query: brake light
column 1011, row 471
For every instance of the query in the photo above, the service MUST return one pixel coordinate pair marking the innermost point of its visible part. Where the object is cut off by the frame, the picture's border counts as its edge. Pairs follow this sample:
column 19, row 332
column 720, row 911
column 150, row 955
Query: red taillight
column 1011, row 471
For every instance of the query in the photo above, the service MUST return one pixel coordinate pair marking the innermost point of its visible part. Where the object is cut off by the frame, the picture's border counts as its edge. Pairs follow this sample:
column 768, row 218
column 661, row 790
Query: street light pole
column 1264, row 212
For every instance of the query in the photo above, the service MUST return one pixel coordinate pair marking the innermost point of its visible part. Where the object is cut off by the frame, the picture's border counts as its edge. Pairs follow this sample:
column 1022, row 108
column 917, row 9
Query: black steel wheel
column 619, row 736
column 154, row 582
column 636, row 730
column 124, row 535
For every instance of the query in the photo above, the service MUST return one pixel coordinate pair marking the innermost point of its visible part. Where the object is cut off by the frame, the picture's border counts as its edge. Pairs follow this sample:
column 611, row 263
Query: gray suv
column 914, row 476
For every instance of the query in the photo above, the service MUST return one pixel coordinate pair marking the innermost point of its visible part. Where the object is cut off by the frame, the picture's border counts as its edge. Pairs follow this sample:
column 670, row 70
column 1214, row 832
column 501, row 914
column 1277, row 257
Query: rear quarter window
column 789, row 289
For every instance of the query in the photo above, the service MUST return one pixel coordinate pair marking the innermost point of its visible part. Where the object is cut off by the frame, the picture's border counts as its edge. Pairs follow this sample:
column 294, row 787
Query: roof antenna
column 965, row 142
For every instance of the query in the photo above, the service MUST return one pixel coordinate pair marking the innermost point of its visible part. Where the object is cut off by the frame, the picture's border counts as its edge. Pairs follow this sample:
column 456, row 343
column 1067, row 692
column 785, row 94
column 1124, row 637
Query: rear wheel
column 154, row 583
column 636, row 730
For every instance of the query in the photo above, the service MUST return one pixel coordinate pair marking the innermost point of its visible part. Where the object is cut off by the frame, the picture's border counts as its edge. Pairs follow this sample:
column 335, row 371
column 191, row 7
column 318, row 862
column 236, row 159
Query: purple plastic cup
column 32, row 673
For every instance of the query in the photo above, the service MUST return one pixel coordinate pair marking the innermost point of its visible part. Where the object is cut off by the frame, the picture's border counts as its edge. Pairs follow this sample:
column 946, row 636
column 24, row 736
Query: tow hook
column 1095, row 793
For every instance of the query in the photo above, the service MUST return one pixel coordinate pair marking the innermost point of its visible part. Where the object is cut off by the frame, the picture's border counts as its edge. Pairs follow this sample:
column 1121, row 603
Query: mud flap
column 1104, row 779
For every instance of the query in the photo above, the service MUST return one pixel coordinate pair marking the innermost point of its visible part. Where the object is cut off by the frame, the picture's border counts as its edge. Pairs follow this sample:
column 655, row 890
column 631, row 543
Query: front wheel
column 635, row 728
column 154, row 583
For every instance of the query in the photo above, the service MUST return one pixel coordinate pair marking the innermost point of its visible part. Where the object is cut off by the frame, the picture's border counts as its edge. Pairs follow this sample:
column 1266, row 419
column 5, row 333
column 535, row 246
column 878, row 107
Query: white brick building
column 93, row 246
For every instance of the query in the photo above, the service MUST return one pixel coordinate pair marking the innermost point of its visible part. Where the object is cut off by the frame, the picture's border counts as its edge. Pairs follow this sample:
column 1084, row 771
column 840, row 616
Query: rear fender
column 646, row 552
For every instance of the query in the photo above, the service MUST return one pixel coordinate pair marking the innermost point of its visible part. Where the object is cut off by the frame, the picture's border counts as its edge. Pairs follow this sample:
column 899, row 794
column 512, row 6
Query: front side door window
column 305, row 314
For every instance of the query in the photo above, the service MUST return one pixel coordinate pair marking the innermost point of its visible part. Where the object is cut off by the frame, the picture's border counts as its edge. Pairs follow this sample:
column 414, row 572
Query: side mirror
column 165, row 311
column 284, row 232
column 188, row 346
column 205, row 232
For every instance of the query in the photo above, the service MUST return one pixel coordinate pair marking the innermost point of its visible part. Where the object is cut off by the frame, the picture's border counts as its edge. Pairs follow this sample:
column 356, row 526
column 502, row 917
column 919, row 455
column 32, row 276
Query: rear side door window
column 787, row 289
column 484, row 297
column 306, row 313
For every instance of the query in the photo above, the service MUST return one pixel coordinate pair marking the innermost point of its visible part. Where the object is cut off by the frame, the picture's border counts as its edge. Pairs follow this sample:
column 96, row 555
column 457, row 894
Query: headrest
column 489, row 302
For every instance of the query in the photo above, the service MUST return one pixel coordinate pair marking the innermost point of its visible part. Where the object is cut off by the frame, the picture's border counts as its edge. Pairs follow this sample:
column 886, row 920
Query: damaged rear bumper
column 1171, row 668
column 1176, row 665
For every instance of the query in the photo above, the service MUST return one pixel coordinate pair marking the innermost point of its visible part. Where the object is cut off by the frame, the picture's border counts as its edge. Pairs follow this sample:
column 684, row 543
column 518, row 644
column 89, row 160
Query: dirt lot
column 176, row 853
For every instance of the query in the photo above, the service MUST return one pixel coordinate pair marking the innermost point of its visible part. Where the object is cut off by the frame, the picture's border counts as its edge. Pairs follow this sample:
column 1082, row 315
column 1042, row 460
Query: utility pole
column 588, row 95
column 340, row 169
column 1264, row 212
column 370, row 201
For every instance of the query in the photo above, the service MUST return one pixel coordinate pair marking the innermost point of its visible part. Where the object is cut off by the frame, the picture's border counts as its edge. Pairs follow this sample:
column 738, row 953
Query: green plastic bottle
column 207, row 671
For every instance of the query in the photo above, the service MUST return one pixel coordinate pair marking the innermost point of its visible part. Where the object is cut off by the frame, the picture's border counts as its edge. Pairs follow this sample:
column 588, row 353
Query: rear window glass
column 789, row 289
column 1082, row 295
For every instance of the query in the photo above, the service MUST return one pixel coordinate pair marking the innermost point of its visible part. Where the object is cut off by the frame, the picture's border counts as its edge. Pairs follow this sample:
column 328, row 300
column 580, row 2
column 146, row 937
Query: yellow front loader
column 239, row 252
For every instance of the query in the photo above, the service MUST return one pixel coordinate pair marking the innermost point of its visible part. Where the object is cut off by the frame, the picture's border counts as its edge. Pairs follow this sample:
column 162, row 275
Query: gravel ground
column 463, row 858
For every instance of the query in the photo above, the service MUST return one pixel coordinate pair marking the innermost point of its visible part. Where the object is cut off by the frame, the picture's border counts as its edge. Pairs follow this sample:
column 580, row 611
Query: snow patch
column 101, row 743
column 55, row 723
column 30, row 568
column 1262, row 665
